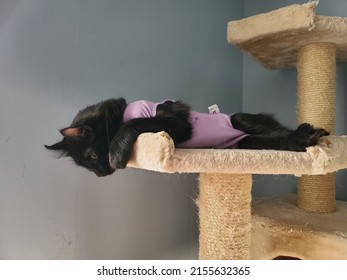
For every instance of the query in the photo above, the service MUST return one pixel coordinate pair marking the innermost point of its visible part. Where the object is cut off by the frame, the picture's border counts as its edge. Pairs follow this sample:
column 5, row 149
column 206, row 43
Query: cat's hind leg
column 298, row 140
column 258, row 124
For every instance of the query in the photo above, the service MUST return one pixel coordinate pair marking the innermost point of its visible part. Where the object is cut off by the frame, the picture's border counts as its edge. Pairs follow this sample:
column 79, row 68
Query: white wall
column 58, row 56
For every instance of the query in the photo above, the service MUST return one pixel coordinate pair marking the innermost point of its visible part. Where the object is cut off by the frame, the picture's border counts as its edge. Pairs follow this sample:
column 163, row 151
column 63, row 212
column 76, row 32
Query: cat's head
column 87, row 139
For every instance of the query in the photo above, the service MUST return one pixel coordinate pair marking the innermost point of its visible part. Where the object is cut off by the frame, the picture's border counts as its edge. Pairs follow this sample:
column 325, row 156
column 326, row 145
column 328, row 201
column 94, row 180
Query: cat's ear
column 57, row 146
column 72, row 132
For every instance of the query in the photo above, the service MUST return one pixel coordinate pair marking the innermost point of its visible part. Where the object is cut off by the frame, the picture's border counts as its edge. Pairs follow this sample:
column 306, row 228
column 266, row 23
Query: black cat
column 101, row 136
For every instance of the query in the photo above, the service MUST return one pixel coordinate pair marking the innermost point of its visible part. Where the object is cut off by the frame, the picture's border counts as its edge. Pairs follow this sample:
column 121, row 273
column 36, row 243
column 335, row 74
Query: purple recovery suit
column 209, row 130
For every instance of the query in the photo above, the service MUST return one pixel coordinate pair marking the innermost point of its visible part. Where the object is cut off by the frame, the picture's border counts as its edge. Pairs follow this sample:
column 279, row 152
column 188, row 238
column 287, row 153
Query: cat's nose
column 112, row 170
column 103, row 173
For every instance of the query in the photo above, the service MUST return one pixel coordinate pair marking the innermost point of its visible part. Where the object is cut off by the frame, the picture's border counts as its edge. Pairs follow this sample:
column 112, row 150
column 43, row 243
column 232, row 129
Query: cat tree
column 314, row 229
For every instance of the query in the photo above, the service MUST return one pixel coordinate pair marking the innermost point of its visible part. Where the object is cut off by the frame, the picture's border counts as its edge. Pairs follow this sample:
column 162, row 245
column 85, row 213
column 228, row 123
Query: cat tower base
column 280, row 228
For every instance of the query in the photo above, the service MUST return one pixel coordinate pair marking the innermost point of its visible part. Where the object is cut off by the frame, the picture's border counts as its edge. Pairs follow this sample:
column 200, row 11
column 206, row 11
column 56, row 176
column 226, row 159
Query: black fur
column 100, row 141
column 267, row 133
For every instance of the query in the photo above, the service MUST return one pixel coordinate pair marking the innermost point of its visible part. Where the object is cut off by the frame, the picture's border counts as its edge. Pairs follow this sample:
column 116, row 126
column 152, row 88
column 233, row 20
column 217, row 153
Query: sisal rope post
column 316, row 105
column 225, row 216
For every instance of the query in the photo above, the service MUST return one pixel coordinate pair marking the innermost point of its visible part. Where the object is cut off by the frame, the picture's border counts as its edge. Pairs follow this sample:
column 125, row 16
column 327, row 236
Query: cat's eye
column 93, row 156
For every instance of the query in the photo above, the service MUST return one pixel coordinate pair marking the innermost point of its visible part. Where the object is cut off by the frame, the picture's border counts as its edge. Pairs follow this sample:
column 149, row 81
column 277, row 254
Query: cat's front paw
column 306, row 136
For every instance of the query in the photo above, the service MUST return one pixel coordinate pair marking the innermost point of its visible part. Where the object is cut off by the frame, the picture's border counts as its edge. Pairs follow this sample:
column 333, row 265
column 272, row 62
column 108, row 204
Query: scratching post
column 317, row 193
column 316, row 105
column 225, row 216
column 316, row 68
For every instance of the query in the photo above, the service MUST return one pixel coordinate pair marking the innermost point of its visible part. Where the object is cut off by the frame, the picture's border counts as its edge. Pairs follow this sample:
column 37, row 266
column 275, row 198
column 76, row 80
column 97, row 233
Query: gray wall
column 58, row 56
column 275, row 91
